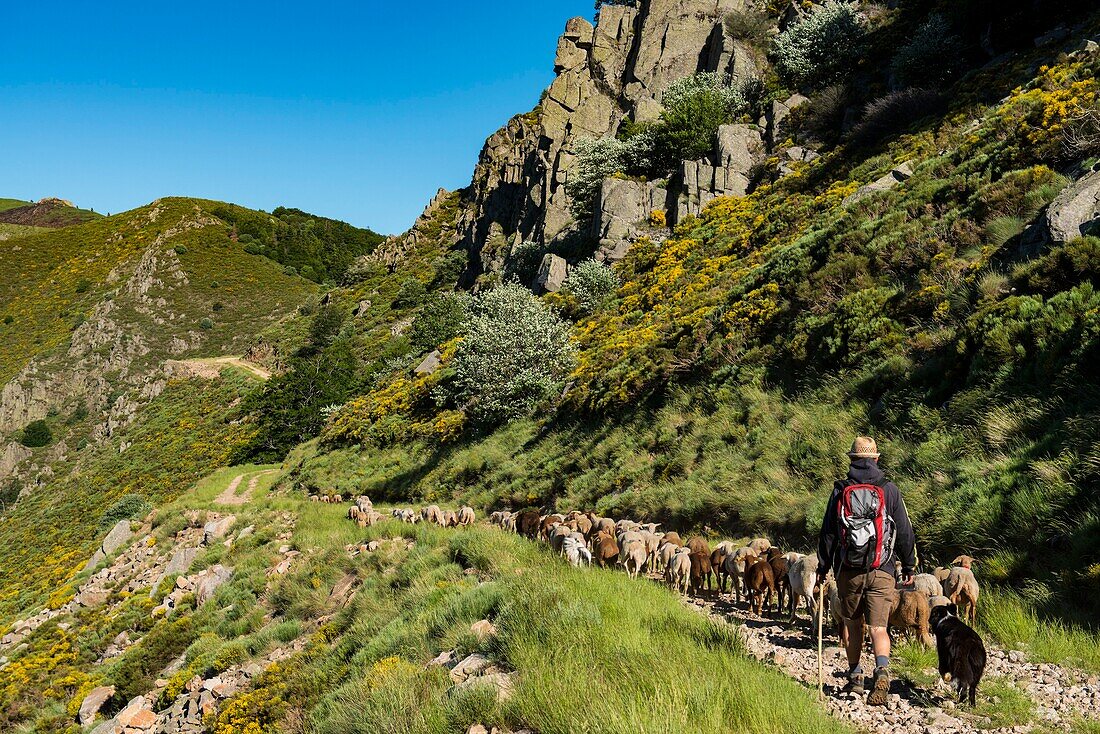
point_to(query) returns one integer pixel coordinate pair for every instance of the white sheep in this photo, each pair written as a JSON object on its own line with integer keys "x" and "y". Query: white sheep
{"x": 466, "y": 515}
{"x": 576, "y": 553}
{"x": 635, "y": 559}
{"x": 928, "y": 584}
{"x": 734, "y": 566}
{"x": 803, "y": 577}
{"x": 678, "y": 571}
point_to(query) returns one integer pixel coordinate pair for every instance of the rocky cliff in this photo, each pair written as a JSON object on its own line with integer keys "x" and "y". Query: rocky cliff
{"x": 606, "y": 73}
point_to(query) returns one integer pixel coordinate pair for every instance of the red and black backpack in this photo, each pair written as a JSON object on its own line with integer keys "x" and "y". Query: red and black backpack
{"x": 866, "y": 530}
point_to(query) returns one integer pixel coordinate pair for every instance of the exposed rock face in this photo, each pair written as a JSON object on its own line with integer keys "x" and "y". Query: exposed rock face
{"x": 623, "y": 206}
{"x": 120, "y": 534}
{"x": 552, "y": 274}
{"x": 605, "y": 73}
{"x": 1076, "y": 211}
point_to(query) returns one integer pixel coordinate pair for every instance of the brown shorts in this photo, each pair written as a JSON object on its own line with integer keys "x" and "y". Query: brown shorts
{"x": 869, "y": 595}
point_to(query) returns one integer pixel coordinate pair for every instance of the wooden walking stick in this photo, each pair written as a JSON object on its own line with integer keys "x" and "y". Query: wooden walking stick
{"x": 820, "y": 644}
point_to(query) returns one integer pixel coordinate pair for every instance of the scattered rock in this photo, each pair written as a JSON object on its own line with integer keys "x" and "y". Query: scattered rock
{"x": 1076, "y": 210}
{"x": 429, "y": 364}
{"x": 93, "y": 702}
{"x": 216, "y": 529}
{"x": 890, "y": 180}
{"x": 469, "y": 666}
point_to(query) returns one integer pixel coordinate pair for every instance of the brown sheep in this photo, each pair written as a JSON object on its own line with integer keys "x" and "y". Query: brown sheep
{"x": 717, "y": 562}
{"x": 527, "y": 524}
{"x": 964, "y": 561}
{"x": 760, "y": 546}
{"x": 780, "y": 567}
{"x": 700, "y": 571}
{"x": 674, "y": 538}
{"x": 606, "y": 549}
{"x": 962, "y": 589}
{"x": 941, "y": 574}
{"x": 910, "y": 615}
{"x": 697, "y": 544}
{"x": 761, "y": 583}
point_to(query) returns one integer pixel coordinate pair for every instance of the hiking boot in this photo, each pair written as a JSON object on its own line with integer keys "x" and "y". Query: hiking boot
{"x": 880, "y": 687}
{"x": 854, "y": 684}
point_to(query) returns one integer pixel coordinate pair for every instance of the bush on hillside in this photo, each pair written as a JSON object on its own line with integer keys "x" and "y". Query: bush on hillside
{"x": 439, "y": 321}
{"x": 893, "y": 113}
{"x": 600, "y": 158}
{"x": 516, "y": 354}
{"x": 36, "y": 434}
{"x": 823, "y": 47}
{"x": 932, "y": 55}
{"x": 694, "y": 108}
{"x": 411, "y": 293}
{"x": 128, "y": 507}
{"x": 448, "y": 267}
{"x": 522, "y": 263}
{"x": 591, "y": 283}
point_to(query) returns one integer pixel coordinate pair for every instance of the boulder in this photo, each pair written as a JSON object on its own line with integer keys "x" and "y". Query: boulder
{"x": 92, "y": 597}
{"x": 502, "y": 683}
{"x": 888, "y": 181}
{"x": 1075, "y": 211}
{"x": 93, "y": 702}
{"x": 622, "y": 209}
{"x": 120, "y": 534}
{"x": 180, "y": 561}
{"x": 552, "y": 273}
{"x": 216, "y": 529}
{"x": 429, "y": 364}
{"x": 469, "y": 666}
{"x": 208, "y": 581}
{"x": 739, "y": 146}
{"x": 775, "y": 115}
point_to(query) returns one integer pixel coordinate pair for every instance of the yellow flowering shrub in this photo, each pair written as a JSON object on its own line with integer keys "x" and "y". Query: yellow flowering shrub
{"x": 258, "y": 710}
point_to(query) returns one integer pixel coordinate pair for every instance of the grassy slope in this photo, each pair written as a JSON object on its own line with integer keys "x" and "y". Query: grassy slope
{"x": 6, "y": 204}
{"x": 50, "y": 281}
{"x": 633, "y": 663}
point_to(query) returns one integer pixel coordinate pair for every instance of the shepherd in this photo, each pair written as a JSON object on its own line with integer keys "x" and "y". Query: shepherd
{"x": 865, "y": 529}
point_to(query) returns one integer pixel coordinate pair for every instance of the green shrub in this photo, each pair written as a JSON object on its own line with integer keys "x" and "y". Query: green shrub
{"x": 516, "y": 353}
{"x": 694, "y": 108}
{"x": 592, "y": 283}
{"x": 823, "y": 47}
{"x": 439, "y": 321}
{"x": 1075, "y": 261}
{"x": 206, "y": 324}
{"x": 447, "y": 268}
{"x": 83, "y": 285}
{"x": 36, "y": 434}
{"x": 412, "y": 292}
{"x": 523, "y": 261}
{"x": 180, "y": 250}
{"x": 932, "y": 55}
{"x": 128, "y": 507}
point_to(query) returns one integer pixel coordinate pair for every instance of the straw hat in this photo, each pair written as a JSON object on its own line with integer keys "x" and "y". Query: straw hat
{"x": 864, "y": 447}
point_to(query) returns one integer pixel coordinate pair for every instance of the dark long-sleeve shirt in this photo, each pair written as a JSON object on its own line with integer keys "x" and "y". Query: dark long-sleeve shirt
{"x": 867, "y": 471}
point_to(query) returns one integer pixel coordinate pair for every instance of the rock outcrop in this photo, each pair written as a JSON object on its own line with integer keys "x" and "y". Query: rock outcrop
{"x": 606, "y": 73}
{"x": 1076, "y": 210}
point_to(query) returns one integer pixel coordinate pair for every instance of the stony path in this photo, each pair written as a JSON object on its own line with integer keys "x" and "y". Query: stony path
{"x": 210, "y": 368}
{"x": 1060, "y": 694}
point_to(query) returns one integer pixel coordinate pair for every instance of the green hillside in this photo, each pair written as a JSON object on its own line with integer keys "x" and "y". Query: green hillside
{"x": 53, "y": 213}
{"x": 6, "y": 204}
{"x": 722, "y": 382}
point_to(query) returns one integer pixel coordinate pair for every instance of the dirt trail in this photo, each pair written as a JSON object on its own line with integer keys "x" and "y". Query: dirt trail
{"x": 1060, "y": 694}
{"x": 210, "y": 367}
{"x": 229, "y": 495}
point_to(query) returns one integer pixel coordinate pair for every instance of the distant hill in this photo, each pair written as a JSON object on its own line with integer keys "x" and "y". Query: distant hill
{"x": 47, "y": 212}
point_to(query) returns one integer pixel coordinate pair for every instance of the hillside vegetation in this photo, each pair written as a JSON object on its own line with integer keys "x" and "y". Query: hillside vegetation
{"x": 720, "y": 384}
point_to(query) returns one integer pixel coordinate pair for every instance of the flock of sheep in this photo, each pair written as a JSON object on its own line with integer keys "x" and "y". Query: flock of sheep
{"x": 756, "y": 570}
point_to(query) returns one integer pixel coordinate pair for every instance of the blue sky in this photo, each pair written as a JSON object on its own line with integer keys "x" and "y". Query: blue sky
{"x": 354, "y": 110}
